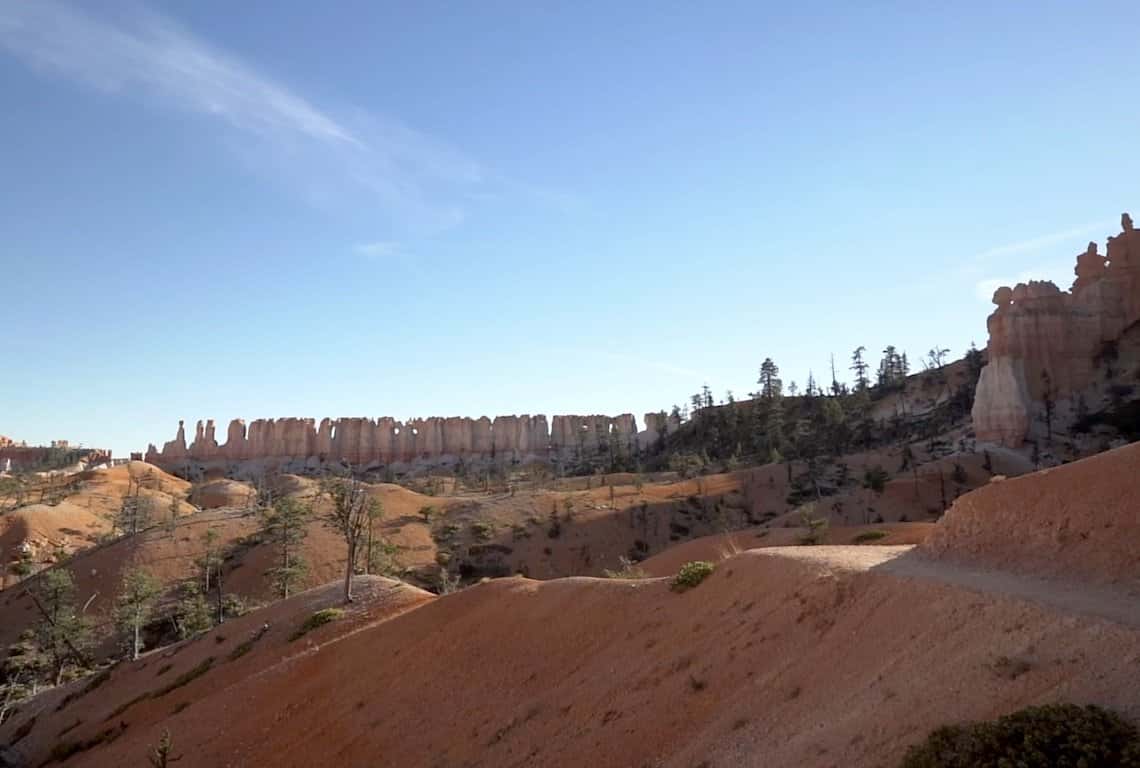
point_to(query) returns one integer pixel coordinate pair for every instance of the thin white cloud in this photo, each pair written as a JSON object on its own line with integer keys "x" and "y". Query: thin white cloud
{"x": 145, "y": 55}
{"x": 378, "y": 249}
{"x": 151, "y": 53}
{"x": 659, "y": 365}
{"x": 1034, "y": 244}
{"x": 1060, "y": 272}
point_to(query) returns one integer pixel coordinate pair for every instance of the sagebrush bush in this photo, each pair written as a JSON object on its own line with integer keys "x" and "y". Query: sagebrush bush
{"x": 876, "y": 478}
{"x": 1034, "y": 737}
{"x": 318, "y": 619}
{"x": 691, "y": 574}
{"x": 866, "y": 536}
{"x": 816, "y": 526}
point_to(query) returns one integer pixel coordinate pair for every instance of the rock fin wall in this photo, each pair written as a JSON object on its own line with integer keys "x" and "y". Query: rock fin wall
{"x": 363, "y": 442}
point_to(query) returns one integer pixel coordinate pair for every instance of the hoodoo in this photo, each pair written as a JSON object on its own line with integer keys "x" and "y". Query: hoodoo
{"x": 1044, "y": 342}
{"x": 365, "y": 442}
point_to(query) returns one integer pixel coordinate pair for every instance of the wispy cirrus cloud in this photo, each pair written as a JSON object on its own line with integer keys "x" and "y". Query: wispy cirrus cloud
{"x": 984, "y": 289}
{"x": 378, "y": 249}
{"x": 1034, "y": 244}
{"x": 658, "y": 365}
{"x": 983, "y": 265}
{"x": 144, "y": 55}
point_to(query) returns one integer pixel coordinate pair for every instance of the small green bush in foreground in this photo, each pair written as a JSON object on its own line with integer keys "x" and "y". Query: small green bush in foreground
{"x": 318, "y": 619}
{"x": 1035, "y": 737}
{"x": 691, "y": 574}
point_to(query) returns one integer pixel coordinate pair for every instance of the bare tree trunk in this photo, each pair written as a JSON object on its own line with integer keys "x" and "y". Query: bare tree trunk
{"x": 348, "y": 571}
{"x": 9, "y": 697}
{"x": 221, "y": 604}
{"x": 285, "y": 568}
{"x": 138, "y": 633}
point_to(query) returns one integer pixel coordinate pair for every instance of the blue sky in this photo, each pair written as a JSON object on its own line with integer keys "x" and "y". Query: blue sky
{"x": 413, "y": 209}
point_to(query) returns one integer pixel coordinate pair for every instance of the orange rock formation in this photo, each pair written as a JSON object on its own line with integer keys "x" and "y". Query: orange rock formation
{"x": 383, "y": 441}
{"x": 1044, "y": 341}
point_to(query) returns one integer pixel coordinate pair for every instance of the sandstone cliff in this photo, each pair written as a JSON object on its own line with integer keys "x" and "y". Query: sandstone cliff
{"x": 364, "y": 442}
{"x": 1044, "y": 342}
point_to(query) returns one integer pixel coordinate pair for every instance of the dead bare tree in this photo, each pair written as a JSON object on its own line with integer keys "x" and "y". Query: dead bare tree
{"x": 350, "y": 512}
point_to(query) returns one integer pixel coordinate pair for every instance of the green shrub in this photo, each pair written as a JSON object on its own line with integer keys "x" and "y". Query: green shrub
{"x": 97, "y": 680}
{"x": 959, "y": 475}
{"x": 445, "y": 533}
{"x": 62, "y": 750}
{"x": 1035, "y": 737}
{"x": 186, "y": 677}
{"x": 318, "y": 619}
{"x": 867, "y": 536}
{"x": 816, "y": 526}
{"x": 875, "y": 478}
{"x": 691, "y": 574}
{"x": 241, "y": 649}
{"x": 482, "y": 530}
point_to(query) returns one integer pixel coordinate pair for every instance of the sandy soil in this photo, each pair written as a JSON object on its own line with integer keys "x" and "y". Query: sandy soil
{"x": 1080, "y": 519}
{"x": 600, "y": 520}
{"x": 79, "y": 520}
{"x": 815, "y": 656}
{"x": 222, "y": 493}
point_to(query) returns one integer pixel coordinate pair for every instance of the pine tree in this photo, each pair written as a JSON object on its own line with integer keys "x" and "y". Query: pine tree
{"x": 374, "y": 544}
{"x": 284, "y": 527}
{"x": 974, "y": 361}
{"x": 769, "y": 381}
{"x": 211, "y": 559}
{"x": 774, "y": 431}
{"x": 860, "y": 367}
{"x": 134, "y": 606}
{"x": 887, "y": 367}
{"x": 21, "y": 672}
{"x": 1049, "y": 403}
{"x": 193, "y": 612}
{"x": 172, "y": 517}
{"x": 936, "y": 358}
{"x": 833, "y": 425}
{"x": 134, "y": 510}
{"x": 61, "y": 634}
{"x": 758, "y": 428}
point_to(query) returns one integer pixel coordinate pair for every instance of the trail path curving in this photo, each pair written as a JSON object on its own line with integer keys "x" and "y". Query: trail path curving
{"x": 1074, "y": 596}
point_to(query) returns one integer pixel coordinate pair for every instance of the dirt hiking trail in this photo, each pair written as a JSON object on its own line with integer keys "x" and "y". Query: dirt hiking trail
{"x": 907, "y": 562}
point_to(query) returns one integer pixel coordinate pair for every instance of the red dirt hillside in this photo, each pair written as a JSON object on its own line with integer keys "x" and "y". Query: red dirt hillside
{"x": 1080, "y": 519}
{"x": 806, "y": 656}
